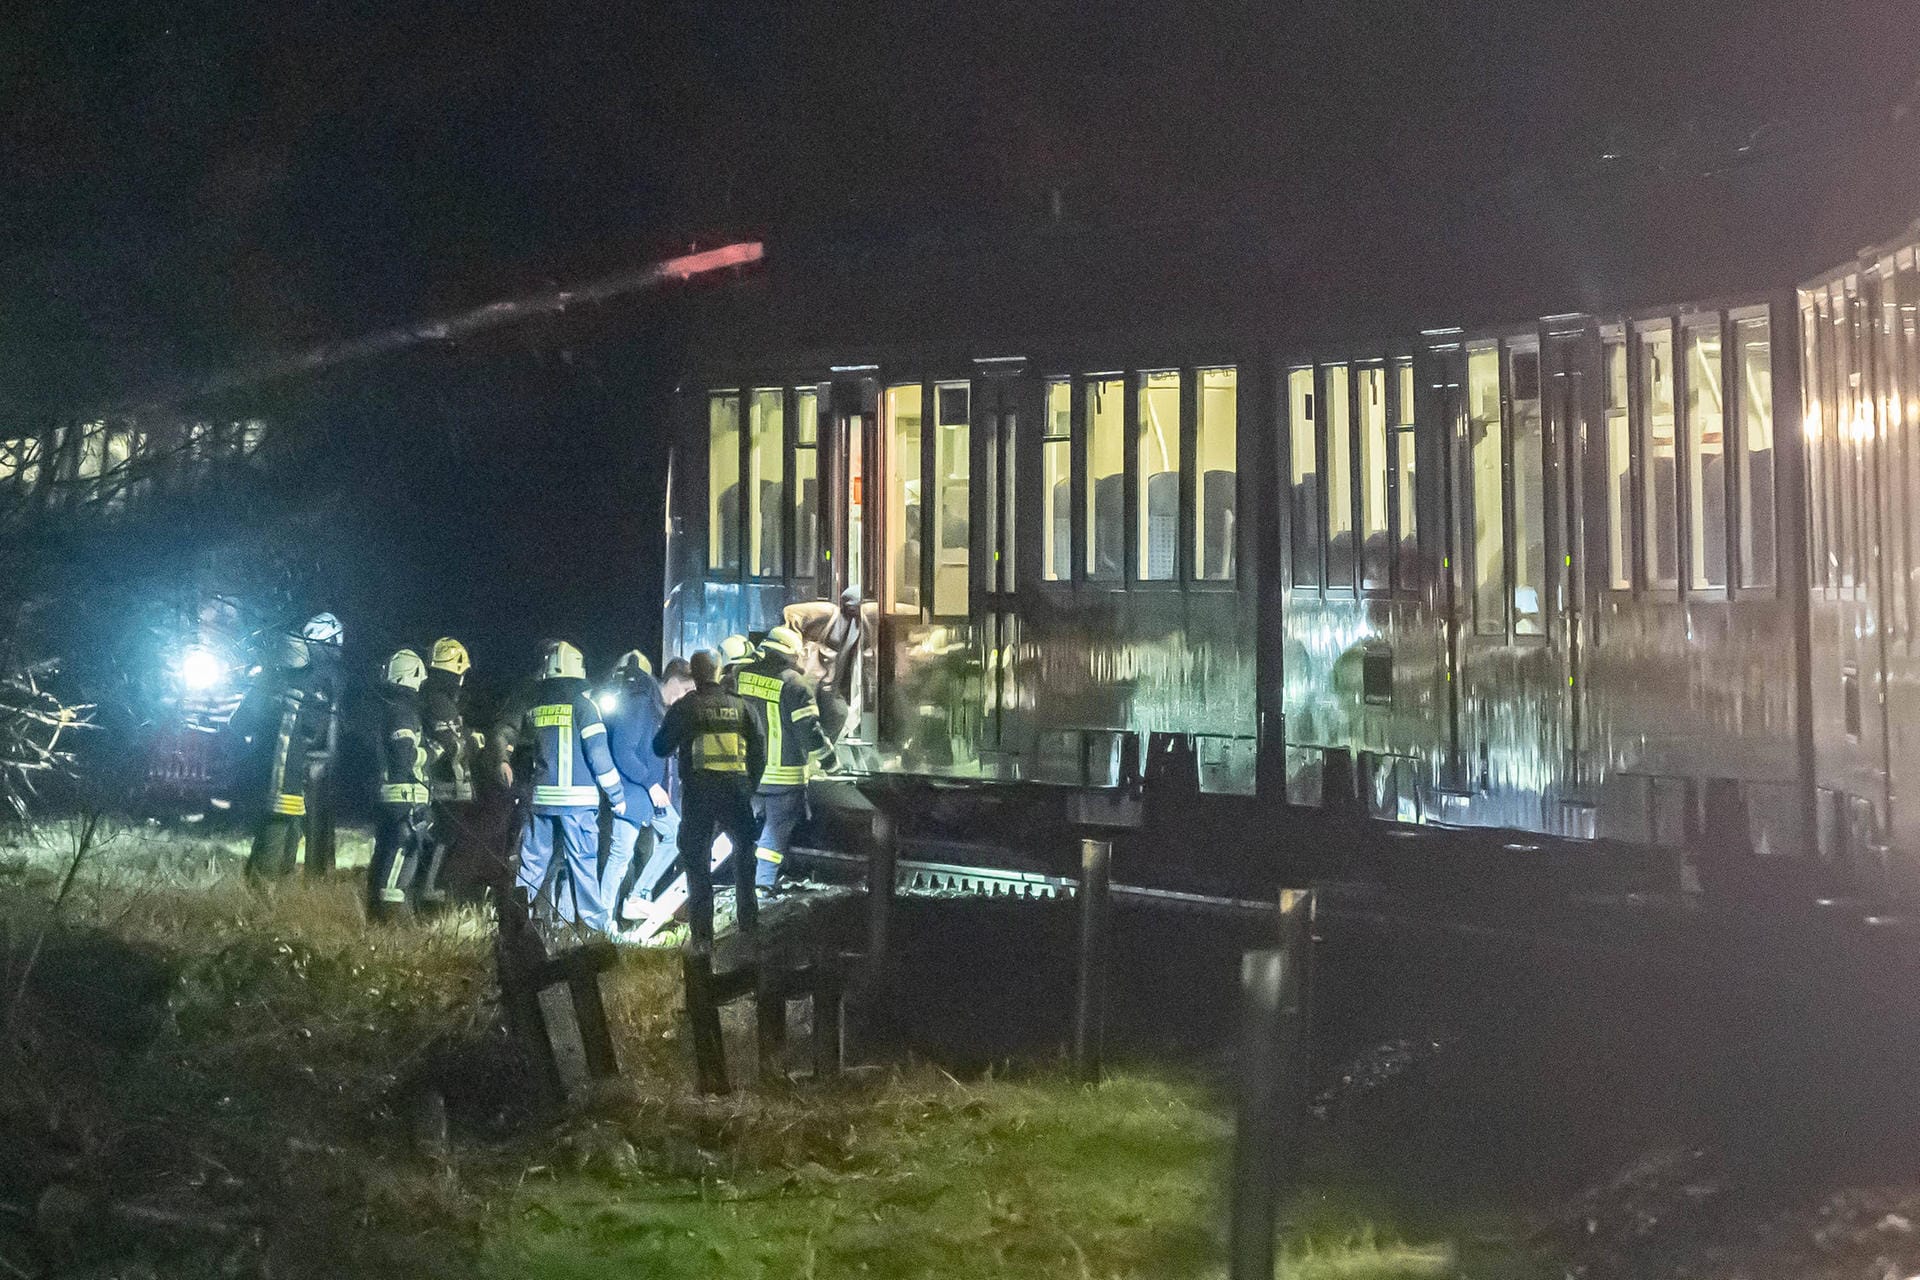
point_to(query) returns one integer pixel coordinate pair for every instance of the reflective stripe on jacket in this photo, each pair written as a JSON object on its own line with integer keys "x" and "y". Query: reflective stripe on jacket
{"x": 713, "y": 732}
{"x": 785, "y": 708}
{"x": 572, "y": 765}
{"x": 403, "y": 756}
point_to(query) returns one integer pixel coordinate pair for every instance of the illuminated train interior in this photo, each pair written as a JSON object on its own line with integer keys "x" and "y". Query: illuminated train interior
{"x": 1579, "y": 575}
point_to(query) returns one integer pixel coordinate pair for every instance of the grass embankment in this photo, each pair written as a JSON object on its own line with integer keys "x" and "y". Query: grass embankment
{"x": 268, "y": 1118}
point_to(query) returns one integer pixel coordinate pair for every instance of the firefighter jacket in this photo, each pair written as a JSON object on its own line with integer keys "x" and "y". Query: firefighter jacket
{"x": 451, "y": 749}
{"x": 285, "y": 717}
{"x": 714, "y": 734}
{"x": 403, "y": 749}
{"x": 784, "y": 708}
{"x": 567, "y": 740}
{"x": 630, "y": 730}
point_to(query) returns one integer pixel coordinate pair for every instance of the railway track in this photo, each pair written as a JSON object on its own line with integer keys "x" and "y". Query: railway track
{"x": 919, "y": 877}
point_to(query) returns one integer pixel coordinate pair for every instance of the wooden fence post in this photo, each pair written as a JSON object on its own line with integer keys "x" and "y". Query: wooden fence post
{"x": 1096, "y": 934}
{"x": 1275, "y": 1067}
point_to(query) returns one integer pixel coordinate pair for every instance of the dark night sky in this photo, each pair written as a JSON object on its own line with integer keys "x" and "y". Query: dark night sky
{"x": 188, "y": 184}
{"x": 189, "y": 181}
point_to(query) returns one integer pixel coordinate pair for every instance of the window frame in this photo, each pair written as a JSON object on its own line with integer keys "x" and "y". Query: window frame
{"x": 1290, "y": 429}
{"x": 737, "y": 571}
{"x": 750, "y": 499}
{"x": 1736, "y": 433}
{"x": 808, "y": 573}
{"x": 1686, "y": 323}
{"x": 1403, "y": 434}
{"x": 1648, "y": 584}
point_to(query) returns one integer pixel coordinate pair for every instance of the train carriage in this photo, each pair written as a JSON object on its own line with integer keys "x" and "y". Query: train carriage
{"x": 1575, "y": 575}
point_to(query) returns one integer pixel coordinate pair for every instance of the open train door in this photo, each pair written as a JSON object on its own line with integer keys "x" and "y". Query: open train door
{"x": 850, "y": 449}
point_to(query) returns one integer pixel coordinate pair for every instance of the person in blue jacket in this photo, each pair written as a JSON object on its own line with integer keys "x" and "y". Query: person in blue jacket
{"x": 564, "y": 742}
{"x": 633, "y": 707}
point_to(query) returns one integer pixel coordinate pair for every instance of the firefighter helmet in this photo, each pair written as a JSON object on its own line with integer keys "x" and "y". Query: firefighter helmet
{"x": 562, "y": 659}
{"x": 782, "y": 640}
{"x": 632, "y": 663}
{"x": 406, "y": 670}
{"x": 322, "y": 628}
{"x": 450, "y": 655}
{"x": 735, "y": 650}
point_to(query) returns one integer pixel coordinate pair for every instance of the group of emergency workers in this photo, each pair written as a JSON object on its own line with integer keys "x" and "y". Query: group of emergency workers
{"x": 742, "y": 732}
{"x": 736, "y": 734}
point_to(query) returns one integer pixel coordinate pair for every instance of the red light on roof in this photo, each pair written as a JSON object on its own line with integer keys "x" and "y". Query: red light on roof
{"x": 732, "y": 255}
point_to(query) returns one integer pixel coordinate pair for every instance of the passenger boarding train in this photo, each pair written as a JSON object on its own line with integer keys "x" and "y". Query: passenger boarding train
{"x": 1646, "y": 576}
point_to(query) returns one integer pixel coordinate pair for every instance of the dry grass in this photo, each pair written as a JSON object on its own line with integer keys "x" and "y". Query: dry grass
{"x": 274, "y": 1090}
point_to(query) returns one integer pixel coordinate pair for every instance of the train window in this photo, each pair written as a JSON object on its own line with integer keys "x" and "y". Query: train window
{"x": 953, "y": 466}
{"x": 1846, "y": 443}
{"x": 1706, "y": 460}
{"x": 1304, "y": 510}
{"x": 1002, "y": 525}
{"x": 900, "y": 554}
{"x": 1216, "y": 486}
{"x": 1370, "y": 411}
{"x": 1056, "y": 484}
{"x": 806, "y": 481}
{"x": 1483, "y": 449}
{"x": 723, "y": 483}
{"x": 1619, "y": 465}
{"x": 766, "y": 482}
{"x": 1754, "y": 339}
{"x": 1339, "y": 395}
{"x": 1659, "y": 457}
{"x": 1528, "y": 499}
{"x": 1889, "y": 412}
{"x": 1813, "y": 429}
{"x": 1407, "y": 491}
{"x": 1909, "y": 392}
{"x": 1106, "y": 477}
{"x": 1158, "y": 442}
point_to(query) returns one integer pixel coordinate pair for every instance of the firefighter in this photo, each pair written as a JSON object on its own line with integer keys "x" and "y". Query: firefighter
{"x": 784, "y": 708}
{"x": 404, "y": 833}
{"x": 720, "y": 754}
{"x": 735, "y": 652}
{"x": 452, "y": 752}
{"x": 286, "y": 716}
{"x": 323, "y": 635}
{"x": 633, "y": 708}
{"x": 564, "y": 742}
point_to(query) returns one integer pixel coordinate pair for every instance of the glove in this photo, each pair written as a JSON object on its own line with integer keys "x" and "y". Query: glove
{"x": 830, "y": 762}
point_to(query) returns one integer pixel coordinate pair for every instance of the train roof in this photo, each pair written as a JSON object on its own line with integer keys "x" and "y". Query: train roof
{"x": 1700, "y": 219}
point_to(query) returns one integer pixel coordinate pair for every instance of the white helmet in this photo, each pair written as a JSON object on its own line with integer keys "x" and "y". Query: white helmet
{"x": 322, "y": 628}
{"x": 406, "y": 670}
{"x": 562, "y": 659}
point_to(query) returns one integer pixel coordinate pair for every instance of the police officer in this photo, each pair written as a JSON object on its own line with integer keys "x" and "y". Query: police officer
{"x": 784, "y": 707}
{"x": 721, "y": 754}
{"x": 452, "y": 752}
{"x": 565, "y": 745}
{"x": 286, "y": 716}
{"x": 404, "y": 832}
{"x": 631, "y": 704}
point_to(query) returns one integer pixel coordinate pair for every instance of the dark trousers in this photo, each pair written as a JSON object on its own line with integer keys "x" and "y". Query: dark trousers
{"x": 276, "y": 846}
{"x": 714, "y": 805}
{"x": 781, "y": 810}
{"x": 402, "y": 838}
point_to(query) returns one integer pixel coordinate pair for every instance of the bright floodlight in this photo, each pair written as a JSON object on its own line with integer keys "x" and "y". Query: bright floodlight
{"x": 609, "y": 702}
{"x": 200, "y": 670}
